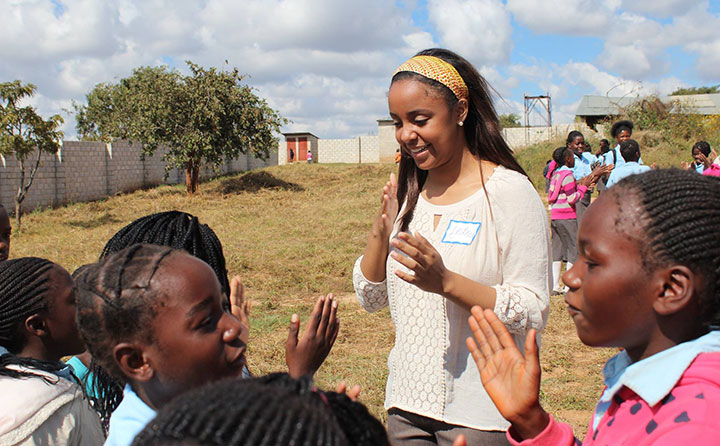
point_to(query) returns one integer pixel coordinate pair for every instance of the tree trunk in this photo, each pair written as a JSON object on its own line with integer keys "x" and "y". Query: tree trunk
{"x": 20, "y": 196}
{"x": 192, "y": 175}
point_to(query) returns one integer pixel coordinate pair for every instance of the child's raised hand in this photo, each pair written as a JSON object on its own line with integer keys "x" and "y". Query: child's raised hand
{"x": 421, "y": 258}
{"x": 304, "y": 357}
{"x": 353, "y": 393}
{"x": 240, "y": 307}
{"x": 460, "y": 440}
{"x": 383, "y": 224}
{"x": 511, "y": 380}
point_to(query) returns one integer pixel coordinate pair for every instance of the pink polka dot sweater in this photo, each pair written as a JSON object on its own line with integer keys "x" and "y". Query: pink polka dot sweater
{"x": 689, "y": 413}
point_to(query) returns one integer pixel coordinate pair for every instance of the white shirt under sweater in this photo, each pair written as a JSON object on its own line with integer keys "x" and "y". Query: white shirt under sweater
{"x": 431, "y": 370}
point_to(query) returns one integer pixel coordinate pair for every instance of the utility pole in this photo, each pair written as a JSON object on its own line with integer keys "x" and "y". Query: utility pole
{"x": 530, "y": 103}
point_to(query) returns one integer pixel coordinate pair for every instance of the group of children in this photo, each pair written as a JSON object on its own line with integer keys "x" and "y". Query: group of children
{"x": 163, "y": 333}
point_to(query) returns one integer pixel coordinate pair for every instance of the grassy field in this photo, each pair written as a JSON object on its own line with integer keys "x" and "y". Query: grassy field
{"x": 292, "y": 233}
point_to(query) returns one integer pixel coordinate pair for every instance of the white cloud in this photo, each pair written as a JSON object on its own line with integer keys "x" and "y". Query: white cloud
{"x": 661, "y": 8}
{"x": 479, "y": 30}
{"x": 574, "y": 17}
{"x": 698, "y": 31}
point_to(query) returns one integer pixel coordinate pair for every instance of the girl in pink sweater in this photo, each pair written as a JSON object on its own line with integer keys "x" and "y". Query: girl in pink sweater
{"x": 647, "y": 280}
{"x": 563, "y": 193}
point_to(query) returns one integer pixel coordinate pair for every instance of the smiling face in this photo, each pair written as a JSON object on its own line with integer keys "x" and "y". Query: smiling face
{"x": 623, "y": 135}
{"x": 5, "y": 231}
{"x": 195, "y": 340}
{"x": 64, "y": 337}
{"x": 425, "y": 126}
{"x": 577, "y": 144}
{"x": 609, "y": 300}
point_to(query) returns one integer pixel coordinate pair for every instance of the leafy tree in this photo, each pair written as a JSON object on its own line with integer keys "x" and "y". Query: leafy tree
{"x": 24, "y": 131}
{"x": 203, "y": 118}
{"x": 509, "y": 120}
{"x": 696, "y": 90}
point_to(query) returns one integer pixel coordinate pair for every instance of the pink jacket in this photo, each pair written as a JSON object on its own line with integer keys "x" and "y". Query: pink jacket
{"x": 713, "y": 170}
{"x": 564, "y": 192}
{"x": 688, "y": 415}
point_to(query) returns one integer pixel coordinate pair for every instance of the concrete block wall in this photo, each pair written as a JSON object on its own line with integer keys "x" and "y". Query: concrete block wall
{"x": 349, "y": 150}
{"x": 84, "y": 171}
{"x": 387, "y": 144}
{"x": 517, "y": 137}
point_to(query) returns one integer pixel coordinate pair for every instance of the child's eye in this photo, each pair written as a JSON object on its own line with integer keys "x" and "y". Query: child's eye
{"x": 421, "y": 121}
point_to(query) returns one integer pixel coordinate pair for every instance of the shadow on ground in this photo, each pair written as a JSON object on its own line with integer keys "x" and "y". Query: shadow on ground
{"x": 94, "y": 222}
{"x": 256, "y": 181}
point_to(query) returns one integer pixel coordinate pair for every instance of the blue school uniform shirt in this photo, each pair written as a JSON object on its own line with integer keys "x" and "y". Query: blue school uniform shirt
{"x": 653, "y": 377}
{"x": 130, "y": 417}
{"x": 625, "y": 170}
{"x": 581, "y": 168}
{"x": 83, "y": 374}
{"x": 619, "y": 160}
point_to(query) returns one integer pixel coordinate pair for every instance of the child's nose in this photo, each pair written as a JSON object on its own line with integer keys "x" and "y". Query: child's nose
{"x": 233, "y": 329}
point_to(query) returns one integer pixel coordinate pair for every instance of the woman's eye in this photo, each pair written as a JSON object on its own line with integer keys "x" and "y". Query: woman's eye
{"x": 397, "y": 123}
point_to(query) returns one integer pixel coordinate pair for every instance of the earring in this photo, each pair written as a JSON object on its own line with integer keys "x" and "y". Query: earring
{"x": 460, "y": 123}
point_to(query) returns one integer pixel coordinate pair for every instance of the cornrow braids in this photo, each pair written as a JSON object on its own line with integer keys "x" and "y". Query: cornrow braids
{"x": 177, "y": 230}
{"x": 681, "y": 214}
{"x": 272, "y": 410}
{"x": 116, "y": 302}
{"x": 106, "y": 392}
{"x": 24, "y": 283}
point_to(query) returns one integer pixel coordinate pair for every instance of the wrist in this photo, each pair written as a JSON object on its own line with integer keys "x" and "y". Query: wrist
{"x": 449, "y": 284}
{"x": 531, "y": 423}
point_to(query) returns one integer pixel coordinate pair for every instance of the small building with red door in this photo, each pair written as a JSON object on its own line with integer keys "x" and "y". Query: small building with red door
{"x": 297, "y": 146}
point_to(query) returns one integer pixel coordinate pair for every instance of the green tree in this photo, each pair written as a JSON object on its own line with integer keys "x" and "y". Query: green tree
{"x": 696, "y": 90}
{"x": 509, "y": 120}
{"x": 203, "y": 118}
{"x": 24, "y": 132}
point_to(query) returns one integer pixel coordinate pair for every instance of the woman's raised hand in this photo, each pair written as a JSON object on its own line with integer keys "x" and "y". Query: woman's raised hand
{"x": 389, "y": 208}
{"x": 511, "y": 380}
{"x": 422, "y": 259}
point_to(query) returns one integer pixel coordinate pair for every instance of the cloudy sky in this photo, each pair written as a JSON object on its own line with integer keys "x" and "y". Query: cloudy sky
{"x": 326, "y": 64}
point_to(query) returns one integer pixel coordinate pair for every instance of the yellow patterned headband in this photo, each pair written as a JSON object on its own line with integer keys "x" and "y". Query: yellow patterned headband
{"x": 437, "y": 69}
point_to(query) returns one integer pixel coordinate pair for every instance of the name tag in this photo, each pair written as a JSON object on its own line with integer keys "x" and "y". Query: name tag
{"x": 461, "y": 232}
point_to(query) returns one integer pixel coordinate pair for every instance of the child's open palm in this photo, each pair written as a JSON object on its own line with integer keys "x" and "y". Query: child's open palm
{"x": 511, "y": 380}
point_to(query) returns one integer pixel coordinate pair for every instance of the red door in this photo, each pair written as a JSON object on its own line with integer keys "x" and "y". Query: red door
{"x": 302, "y": 149}
{"x": 291, "y": 150}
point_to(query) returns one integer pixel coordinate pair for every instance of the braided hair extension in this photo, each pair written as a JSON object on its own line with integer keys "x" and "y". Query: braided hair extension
{"x": 681, "y": 214}
{"x": 115, "y": 301}
{"x": 106, "y": 392}
{"x": 482, "y": 129}
{"x": 272, "y": 410}
{"x": 177, "y": 230}
{"x": 24, "y": 283}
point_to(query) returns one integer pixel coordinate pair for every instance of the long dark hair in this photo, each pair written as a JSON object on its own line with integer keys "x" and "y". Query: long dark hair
{"x": 482, "y": 129}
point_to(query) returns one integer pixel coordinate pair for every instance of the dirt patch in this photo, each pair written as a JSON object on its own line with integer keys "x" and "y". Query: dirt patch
{"x": 256, "y": 181}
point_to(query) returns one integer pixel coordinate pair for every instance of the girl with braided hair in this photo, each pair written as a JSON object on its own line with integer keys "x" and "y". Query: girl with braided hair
{"x": 271, "y": 410}
{"x": 156, "y": 319}
{"x": 647, "y": 280}
{"x": 42, "y": 401}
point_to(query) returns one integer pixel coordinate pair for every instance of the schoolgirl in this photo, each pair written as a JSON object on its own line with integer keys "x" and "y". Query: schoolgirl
{"x": 647, "y": 280}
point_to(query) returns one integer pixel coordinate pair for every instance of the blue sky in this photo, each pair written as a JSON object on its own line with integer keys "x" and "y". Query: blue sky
{"x": 326, "y": 64}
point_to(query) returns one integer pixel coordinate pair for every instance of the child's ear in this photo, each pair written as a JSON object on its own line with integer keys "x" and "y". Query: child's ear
{"x": 678, "y": 289}
{"x": 132, "y": 361}
{"x": 36, "y": 326}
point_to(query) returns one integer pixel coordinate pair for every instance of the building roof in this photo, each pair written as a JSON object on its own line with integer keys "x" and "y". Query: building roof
{"x": 703, "y": 104}
{"x": 299, "y": 134}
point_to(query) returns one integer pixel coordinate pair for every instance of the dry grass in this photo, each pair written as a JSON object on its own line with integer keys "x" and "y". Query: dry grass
{"x": 292, "y": 233}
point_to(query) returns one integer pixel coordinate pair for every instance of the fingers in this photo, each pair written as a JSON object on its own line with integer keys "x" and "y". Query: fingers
{"x": 354, "y": 392}
{"x": 292, "y": 339}
{"x": 531, "y": 349}
{"x": 327, "y": 320}
{"x": 239, "y": 306}
{"x": 499, "y": 329}
{"x": 316, "y": 315}
{"x": 341, "y": 387}
{"x": 484, "y": 347}
{"x": 460, "y": 441}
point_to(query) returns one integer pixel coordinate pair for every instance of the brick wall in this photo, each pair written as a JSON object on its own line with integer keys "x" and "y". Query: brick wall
{"x": 84, "y": 171}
